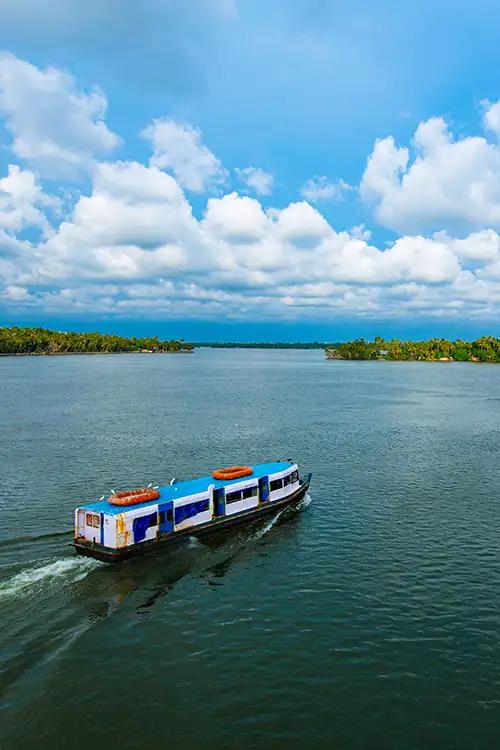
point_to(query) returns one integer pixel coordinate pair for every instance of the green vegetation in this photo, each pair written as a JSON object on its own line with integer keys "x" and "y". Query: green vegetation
{"x": 484, "y": 349}
{"x": 41, "y": 341}
{"x": 263, "y": 345}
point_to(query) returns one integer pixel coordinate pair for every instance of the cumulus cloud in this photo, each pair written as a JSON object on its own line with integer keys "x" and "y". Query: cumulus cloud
{"x": 136, "y": 223}
{"x": 491, "y": 116}
{"x": 321, "y": 189}
{"x": 179, "y": 148}
{"x": 56, "y": 128}
{"x": 14, "y": 293}
{"x": 22, "y": 202}
{"x": 441, "y": 182}
{"x": 235, "y": 218}
{"x": 133, "y": 246}
{"x": 257, "y": 180}
{"x": 301, "y": 225}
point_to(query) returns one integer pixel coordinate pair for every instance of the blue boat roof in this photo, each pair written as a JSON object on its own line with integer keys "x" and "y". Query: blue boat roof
{"x": 186, "y": 488}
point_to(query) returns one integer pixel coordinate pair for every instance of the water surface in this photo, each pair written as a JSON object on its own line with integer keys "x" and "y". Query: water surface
{"x": 367, "y": 619}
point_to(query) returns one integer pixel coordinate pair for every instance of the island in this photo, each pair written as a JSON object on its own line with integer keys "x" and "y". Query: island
{"x": 484, "y": 349}
{"x": 21, "y": 341}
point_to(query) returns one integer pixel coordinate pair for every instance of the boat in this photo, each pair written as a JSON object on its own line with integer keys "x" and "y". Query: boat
{"x": 139, "y": 521}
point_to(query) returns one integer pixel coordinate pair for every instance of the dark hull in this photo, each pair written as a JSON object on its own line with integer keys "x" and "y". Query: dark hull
{"x": 109, "y": 554}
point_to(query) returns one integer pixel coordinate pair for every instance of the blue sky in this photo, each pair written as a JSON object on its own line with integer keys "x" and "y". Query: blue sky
{"x": 240, "y": 169}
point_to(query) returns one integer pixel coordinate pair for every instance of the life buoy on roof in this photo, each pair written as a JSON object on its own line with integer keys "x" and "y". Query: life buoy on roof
{"x": 133, "y": 497}
{"x": 232, "y": 472}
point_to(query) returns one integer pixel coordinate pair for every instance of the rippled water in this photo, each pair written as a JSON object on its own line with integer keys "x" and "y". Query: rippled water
{"x": 368, "y": 618}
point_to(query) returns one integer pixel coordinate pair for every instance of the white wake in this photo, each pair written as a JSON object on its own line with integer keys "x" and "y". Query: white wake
{"x": 306, "y": 500}
{"x": 71, "y": 570}
{"x": 269, "y": 525}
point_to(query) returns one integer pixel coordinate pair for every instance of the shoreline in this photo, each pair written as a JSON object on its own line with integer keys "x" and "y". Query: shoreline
{"x": 436, "y": 361}
{"x": 482, "y": 349}
{"x": 80, "y": 354}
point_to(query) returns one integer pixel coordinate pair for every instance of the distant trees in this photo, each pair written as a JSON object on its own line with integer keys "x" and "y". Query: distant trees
{"x": 42, "y": 341}
{"x": 484, "y": 349}
{"x": 262, "y": 345}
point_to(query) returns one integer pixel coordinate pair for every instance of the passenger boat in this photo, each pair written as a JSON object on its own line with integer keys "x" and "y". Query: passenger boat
{"x": 134, "y": 522}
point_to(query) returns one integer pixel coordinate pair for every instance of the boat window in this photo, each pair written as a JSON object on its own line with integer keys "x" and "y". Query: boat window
{"x": 92, "y": 519}
{"x": 191, "y": 509}
{"x": 276, "y": 484}
{"x": 161, "y": 515}
{"x": 287, "y": 480}
{"x": 295, "y": 476}
{"x": 234, "y": 497}
{"x": 153, "y": 520}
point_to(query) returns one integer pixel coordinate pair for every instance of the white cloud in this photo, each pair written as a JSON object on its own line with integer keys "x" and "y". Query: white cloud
{"x": 136, "y": 223}
{"x": 321, "y": 189}
{"x": 179, "y": 149}
{"x": 449, "y": 184}
{"x": 257, "y": 180}
{"x": 57, "y": 129}
{"x": 235, "y": 218}
{"x": 22, "y": 201}
{"x": 15, "y": 293}
{"x": 301, "y": 225}
{"x": 134, "y": 247}
{"x": 491, "y": 116}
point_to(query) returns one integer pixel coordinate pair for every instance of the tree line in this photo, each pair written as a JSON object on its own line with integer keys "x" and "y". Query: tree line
{"x": 261, "y": 345}
{"x": 42, "y": 341}
{"x": 484, "y": 349}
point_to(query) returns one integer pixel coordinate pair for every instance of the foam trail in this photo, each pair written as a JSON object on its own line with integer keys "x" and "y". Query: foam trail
{"x": 68, "y": 639}
{"x": 305, "y": 502}
{"x": 72, "y": 569}
{"x": 269, "y": 525}
{"x": 194, "y": 542}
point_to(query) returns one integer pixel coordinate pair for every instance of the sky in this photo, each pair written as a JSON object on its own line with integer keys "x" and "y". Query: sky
{"x": 244, "y": 170}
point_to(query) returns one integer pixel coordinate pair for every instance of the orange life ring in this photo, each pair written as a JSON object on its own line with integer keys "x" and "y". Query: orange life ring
{"x": 232, "y": 472}
{"x": 133, "y": 497}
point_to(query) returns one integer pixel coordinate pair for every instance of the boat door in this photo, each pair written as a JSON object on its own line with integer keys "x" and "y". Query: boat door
{"x": 166, "y": 517}
{"x": 219, "y": 502}
{"x": 264, "y": 489}
{"x": 80, "y": 523}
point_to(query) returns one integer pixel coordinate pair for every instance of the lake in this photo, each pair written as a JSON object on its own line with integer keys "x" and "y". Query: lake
{"x": 368, "y": 618}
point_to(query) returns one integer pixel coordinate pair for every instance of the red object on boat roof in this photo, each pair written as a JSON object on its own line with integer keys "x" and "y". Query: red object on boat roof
{"x": 232, "y": 472}
{"x": 134, "y": 497}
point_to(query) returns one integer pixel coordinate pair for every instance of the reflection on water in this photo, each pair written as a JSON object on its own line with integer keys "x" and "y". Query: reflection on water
{"x": 207, "y": 559}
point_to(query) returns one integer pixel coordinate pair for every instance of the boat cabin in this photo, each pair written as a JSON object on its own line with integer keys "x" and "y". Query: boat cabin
{"x": 184, "y": 506}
